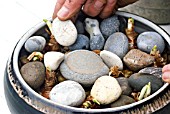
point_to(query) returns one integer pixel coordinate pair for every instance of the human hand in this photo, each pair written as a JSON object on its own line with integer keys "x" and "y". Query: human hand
{"x": 166, "y": 73}
{"x": 66, "y": 9}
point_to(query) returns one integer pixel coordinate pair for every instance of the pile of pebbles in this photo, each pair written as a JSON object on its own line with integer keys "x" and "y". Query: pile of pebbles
{"x": 84, "y": 70}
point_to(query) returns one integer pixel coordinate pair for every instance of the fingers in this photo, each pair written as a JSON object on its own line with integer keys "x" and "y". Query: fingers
{"x": 109, "y": 8}
{"x": 66, "y": 9}
{"x": 166, "y": 73}
{"x": 94, "y": 7}
{"x": 58, "y": 6}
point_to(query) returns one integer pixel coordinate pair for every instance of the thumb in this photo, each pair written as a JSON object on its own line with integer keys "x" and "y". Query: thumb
{"x": 69, "y": 9}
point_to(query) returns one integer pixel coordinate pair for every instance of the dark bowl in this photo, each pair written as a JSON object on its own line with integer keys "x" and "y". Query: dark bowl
{"x": 21, "y": 98}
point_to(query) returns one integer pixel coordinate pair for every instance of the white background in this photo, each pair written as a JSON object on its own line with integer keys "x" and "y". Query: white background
{"x": 17, "y": 16}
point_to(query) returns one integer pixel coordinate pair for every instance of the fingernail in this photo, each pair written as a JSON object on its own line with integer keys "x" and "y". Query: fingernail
{"x": 63, "y": 12}
{"x": 98, "y": 4}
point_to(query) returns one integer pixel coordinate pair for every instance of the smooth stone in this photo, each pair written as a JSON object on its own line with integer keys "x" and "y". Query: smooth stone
{"x": 147, "y": 40}
{"x": 82, "y": 42}
{"x": 33, "y": 73}
{"x": 52, "y": 59}
{"x": 156, "y": 71}
{"x": 123, "y": 100}
{"x": 35, "y": 43}
{"x": 106, "y": 90}
{"x": 139, "y": 80}
{"x": 83, "y": 66}
{"x": 64, "y": 32}
{"x": 109, "y": 26}
{"x": 126, "y": 88}
{"x": 111, "y": 59}
{"x": 68, "y": 93}
{"x": 118, "y": 44}
{"x": 136, "y": 59}
{"x": 80, "y": 27}
{"x": 97, "y": 42}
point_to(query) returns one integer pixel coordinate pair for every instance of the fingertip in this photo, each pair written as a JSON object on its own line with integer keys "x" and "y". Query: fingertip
{"x": 63, "y": 13}
{"x": 166, "y": 77}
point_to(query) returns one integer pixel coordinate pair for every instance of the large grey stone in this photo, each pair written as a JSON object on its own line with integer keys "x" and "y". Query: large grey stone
{"x": 83, "y": 66}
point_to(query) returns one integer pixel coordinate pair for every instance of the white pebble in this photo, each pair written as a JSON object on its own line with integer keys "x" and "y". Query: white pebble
{"x": 111, "y": 59}
{"x": 64, "y": 32}
{"x": 53, "y": 59}
{"x": 106, "y": 90}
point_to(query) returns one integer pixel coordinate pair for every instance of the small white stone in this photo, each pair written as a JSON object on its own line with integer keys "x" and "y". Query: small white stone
{"x": 106, "y": 90}
{"x": 64, "y": 32}
{"x": 53, "y": 59}
{"x": 111, "y": 59}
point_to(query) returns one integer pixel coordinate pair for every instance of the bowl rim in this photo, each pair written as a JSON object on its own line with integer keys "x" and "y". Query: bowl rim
{"x": 37, "y": 96}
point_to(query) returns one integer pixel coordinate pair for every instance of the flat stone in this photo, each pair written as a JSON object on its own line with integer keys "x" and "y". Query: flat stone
{"x": 118, "y": 44}
{"x": 83, "y": 66}
{"x": 106, "y": 90}
{"x": 111, "y": 59}
{"x": 156, "y": 71}
{"x": 136, "y": 59}
{"x": 68, "y": 93}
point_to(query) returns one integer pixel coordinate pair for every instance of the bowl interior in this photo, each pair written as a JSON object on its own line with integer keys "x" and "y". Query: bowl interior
{"x": 141, "y": 25}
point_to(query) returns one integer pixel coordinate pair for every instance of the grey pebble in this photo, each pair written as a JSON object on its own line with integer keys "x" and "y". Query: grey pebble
{"x": 118, "y": 44}
{"x": 80, "y": 27}
{"x": 156, "y": 71}
{"x": 68, "y": 93}
{"x": 35, "y": 43}
{"x": 97, "y": 42}
{"x": 147, "y": 40}
{"x": 82, "y": 42}
{"x": 109, "y": 26}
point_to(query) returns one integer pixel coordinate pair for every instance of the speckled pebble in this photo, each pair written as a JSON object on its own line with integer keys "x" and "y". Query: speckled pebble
{"x": 147, "y": 40}
{"x": 118, "y": 44}
{"x": 64, "y": 32}
{"x": 52, "y": 59}
{"x": 82, "y": 42}
{"x": 35, "y": 43}
{"x": 106, "y": 90}
{"x": 123, "y": 100}
{"x": 83, "y": 66}
{"x": 97, "y": 42}
{"x": 68, "y": 93}
{"x": 111, "y": 59}
{"x": 156, "y": 71}
{"x": 139, "y": 80}
{"x": 109, "y": 26}
{"x": 136, "y": 59}
{"x": 123, "y": 82}
{"x": 33, "y": 73}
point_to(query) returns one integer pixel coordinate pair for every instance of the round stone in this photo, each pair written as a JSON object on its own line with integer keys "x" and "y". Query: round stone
{"x": 118, "y": 44}
{"x": 106, "y": 90}
{"x": 64, "y": 32}
{"x": 147, "y": 40}
{"x": 68, "y": 93}
{"x": 109, "y": 26}
{"x": 82, "y": 42}
{"x": 83, "y": 66}
{"x": 111, "y": 59}
{"x": 35, "y": 43}
{"x": 139, "y": 80}
{"x": 33, "y": 73}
